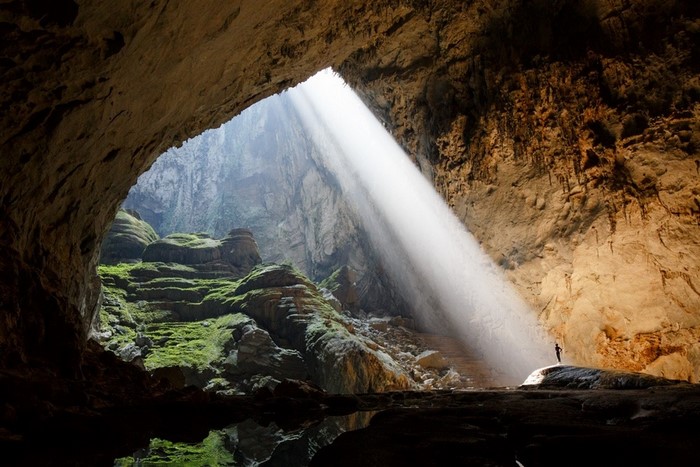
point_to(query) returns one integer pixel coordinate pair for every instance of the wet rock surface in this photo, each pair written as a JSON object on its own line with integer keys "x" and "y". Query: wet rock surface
{"x": 534, "y": 428}
{"x": 112, "y": 415}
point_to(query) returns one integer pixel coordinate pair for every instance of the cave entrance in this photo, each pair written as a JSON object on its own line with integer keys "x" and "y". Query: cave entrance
{"x": 311, "y": 185}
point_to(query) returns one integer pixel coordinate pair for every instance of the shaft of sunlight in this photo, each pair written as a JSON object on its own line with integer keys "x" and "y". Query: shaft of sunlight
{"x": 440, "y": 267}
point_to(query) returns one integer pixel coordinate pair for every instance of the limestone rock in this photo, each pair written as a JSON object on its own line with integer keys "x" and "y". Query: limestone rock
{"x": 587, "y": 202}
{"x": 127, "y": 238}
{"x": 181, "y": 248}
{"x": 223, "y": 329}
{"x": 575, "y": 377}
{"x": 236, "y": 253}
{"x": 431, "y": 359}
{"x": 343, "y": 285}
{"x": 256, "y": 353}
{"x": 336, "y": 359}
{"x": 240, "y": 249}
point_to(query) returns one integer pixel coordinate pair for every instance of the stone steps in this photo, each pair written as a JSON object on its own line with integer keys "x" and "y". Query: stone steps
{"x": 460, "y": 359}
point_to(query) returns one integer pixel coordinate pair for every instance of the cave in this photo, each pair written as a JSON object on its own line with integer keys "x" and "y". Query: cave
{"x": 564, "y": 135}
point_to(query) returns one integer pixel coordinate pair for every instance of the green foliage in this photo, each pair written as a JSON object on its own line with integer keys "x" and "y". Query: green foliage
{"x": 197, "y": 344}
{"x": 210, "y": 452}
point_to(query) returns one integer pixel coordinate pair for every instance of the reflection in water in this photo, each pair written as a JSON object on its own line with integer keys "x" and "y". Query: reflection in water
{"x": 249, "y": 444}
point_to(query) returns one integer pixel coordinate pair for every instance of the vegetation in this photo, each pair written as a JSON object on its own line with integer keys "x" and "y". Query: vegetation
{"x": 331, "y": 282}
{"x": 196, "y": 345}
{"x": 195, "y": 240}
{"x": 210, "y": 452}
{"x": 164, "y": 305}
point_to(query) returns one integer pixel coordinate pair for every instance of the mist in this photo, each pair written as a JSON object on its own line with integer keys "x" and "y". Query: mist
{"x": 440, "y": 268}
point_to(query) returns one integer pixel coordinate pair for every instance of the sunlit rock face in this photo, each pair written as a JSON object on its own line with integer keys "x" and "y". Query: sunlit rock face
{"x": 566, "y": 139}
{"x": 563, "y": 134}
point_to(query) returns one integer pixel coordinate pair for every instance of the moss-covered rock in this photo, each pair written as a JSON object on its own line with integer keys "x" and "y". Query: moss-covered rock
{"x": 127, "y": 238}
{"x": 298, "y": 315}
{"x": 236, "y": 253}
{"x": 198, "y": 348}
{"x": 342, "y": 283}
{"x": 272, "y": 324}
{"x": 184, "y": 248}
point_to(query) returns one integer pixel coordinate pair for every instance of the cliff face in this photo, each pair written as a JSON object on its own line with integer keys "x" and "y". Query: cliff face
{"x": 261, "y": 171}
{"x": 564, "y": 134}
{"x": 257, "y": 171}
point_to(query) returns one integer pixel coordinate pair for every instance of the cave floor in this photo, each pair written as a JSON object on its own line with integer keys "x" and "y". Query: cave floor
{"x": 112, "y": 409}
{"x": 62, "y": 422}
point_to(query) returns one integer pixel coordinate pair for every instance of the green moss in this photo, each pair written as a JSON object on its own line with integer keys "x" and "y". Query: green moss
{"x": 159, "y": 269}
{"x": 145, "y": 313}
{"x": 197, "y": 344}
{"x": 196, "y": 240}
{"x": 121, "y": 270}
{"x": 116, "y": 274}
{"x": 116, "y": 318}
{"x": 130, "y": 225}
{"x": 223, "y": 294}
{"x": 331, "y": 282}
{"x": 210, "y": 452}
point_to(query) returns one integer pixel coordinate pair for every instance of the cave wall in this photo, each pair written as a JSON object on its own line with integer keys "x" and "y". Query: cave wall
{"x": 564, "y": 134}
{"x": 93, "y": 92}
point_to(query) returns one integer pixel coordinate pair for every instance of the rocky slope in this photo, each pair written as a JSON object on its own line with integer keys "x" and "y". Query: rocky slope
{"x": 205, "y": 312}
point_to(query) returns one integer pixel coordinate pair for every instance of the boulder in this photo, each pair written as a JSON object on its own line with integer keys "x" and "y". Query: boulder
{"x": 127, "y": 238}
{"x": 431, "y": 359}
{"x": 239, "y": 248}
{"x": 273, "y": 275}
{"x": 257, "y": 353}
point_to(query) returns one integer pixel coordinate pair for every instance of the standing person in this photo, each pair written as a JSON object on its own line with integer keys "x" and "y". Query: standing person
{"x": 558, "y": 350}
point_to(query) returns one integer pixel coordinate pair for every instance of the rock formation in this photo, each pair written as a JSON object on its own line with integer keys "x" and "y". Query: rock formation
{"x": 204, "y": 312}
{"x": 565, "y": 136}
{"x": 127, "y": 238}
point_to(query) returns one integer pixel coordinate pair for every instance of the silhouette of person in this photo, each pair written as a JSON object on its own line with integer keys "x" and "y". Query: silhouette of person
{"x": 558, "y": 349}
